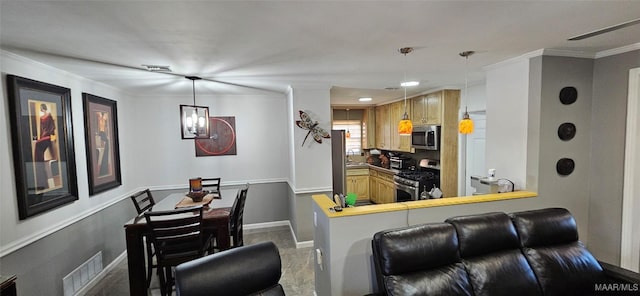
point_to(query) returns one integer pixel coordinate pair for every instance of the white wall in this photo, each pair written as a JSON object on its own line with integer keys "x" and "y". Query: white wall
{"x": 507, "y": 95}
{"x": 164, "y": 159}
{"x": 312, "y": 162}
{"x": 15, "y": 233}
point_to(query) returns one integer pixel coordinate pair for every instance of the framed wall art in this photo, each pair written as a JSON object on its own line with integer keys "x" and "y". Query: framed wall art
{"x": 101, "y": 140}
{"x": 222, "y": 138}
{"x": 42, "y": 142}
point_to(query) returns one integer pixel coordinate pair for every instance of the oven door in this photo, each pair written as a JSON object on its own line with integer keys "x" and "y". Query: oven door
{"x": 405, "y": 192}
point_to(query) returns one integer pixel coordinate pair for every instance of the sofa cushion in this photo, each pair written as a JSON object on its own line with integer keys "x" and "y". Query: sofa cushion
{"x": 561, "y": 262}
{"x": 545, "y": 227}
{"x": 445, "y": 280}
{"x": 484, "y": 233}
{"x": 420, "y": 259}
{"x": 490, "y": 251}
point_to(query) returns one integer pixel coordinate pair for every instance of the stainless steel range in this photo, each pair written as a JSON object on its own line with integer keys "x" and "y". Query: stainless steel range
{"x": 409, "y": 184}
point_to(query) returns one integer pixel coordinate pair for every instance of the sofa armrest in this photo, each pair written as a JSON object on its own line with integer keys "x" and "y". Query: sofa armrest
{"x": 619, "y": 273}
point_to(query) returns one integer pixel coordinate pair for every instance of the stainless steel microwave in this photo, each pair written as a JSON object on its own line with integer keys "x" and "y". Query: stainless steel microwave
{"x": 426, "y": 137}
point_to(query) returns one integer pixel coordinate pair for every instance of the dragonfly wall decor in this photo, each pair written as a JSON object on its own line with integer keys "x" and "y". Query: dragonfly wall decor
{"x": 308, "y": 124}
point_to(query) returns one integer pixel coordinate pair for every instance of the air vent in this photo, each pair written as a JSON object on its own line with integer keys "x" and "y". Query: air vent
{"x": 157, "y": 68}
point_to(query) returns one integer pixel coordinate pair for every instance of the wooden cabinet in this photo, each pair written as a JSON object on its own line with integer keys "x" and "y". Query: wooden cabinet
{"x": 369, "y": 128}
{"x": 434, "y": 108}
{"x": 381, "y": 187}
{"x": 382, "y": 140}
{"x": 373, "y": 186}
{"x": 358, "y": 183}
{"x": 427, "y": 109}
{"x": 450, "y": 103}
{"x": 399, "y": 142}
{"x": 387, "y": 118}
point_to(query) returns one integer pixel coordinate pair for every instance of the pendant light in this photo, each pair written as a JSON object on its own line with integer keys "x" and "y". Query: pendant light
{"x": 348, "y": 134}
{"x": 466, "y": 124}
{"x": 194, "y": 120}
{"x": 405, "y": 127}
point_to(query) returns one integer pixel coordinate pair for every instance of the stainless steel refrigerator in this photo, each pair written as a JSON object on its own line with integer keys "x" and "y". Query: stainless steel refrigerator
{"x": 338, "y": 161}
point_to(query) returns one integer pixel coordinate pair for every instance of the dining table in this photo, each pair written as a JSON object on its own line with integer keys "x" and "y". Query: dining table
{"x": 215, "y": 220}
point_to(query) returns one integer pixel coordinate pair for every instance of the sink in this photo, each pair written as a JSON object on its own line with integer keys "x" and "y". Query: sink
{"x": 357, "y": 164}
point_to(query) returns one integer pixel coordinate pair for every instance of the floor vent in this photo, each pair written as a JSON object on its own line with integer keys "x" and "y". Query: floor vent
{"x": 80, "y": 276}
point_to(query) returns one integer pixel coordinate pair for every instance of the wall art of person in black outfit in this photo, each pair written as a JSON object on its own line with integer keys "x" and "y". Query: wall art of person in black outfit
{"x": 43, "y": 143}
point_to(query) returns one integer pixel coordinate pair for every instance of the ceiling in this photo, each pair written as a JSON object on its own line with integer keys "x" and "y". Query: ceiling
{"x": 245, "y": 47}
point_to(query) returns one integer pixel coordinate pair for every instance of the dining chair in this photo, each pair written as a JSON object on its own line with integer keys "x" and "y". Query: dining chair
{"x": 249, "y": 270}
{"x": 236, "y": 217}
{"x": 143, "y": 201}
{"x": 177, "y": 237}
{"x": 211, "y": 184}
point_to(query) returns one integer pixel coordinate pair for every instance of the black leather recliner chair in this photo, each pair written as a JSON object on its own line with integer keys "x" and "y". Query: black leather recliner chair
{"x": 248, "y": 270}
{"x": 526, "y": 253}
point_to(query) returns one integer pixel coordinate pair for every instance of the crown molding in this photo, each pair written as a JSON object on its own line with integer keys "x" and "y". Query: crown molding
{"x": 619, "y": 50}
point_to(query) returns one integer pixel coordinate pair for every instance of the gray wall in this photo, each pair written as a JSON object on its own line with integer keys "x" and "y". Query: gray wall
{"x": 40, "y": 266}
{"x": 610, "y": 91}
{"x": 571, "y": 191}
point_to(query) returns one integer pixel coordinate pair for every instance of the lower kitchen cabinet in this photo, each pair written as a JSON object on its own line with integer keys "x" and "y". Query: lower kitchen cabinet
{"x": 358, "y": 183}
{"x": 381, "y": 187}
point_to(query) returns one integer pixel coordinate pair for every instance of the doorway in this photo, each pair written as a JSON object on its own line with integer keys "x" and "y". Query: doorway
{"x": 630, "y": 242}
{"x": 475, "y": 149}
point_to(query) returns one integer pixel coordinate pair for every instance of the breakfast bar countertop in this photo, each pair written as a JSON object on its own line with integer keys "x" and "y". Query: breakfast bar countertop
{"x": 326, "y": 204}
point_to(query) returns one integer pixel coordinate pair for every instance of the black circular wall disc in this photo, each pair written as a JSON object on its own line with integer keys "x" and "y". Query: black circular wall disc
{"x": 568, "y": 95}
{"x": 566, "y": 131}
{"x": 565, "y": 166}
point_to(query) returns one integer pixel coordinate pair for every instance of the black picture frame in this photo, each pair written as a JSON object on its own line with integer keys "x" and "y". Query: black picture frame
{"x": 42, "y": 143}
{"x": 101, "y": 142}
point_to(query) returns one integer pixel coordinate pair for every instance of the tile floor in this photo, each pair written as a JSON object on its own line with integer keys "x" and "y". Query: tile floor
{"x": 297, "y": 267}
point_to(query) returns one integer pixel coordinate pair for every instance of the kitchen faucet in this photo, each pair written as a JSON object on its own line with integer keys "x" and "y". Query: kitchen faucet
{"x": 350, "y": 152}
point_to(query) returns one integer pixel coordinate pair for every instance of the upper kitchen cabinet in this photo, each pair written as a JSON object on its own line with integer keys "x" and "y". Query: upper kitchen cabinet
{"x": 369, "y": 128}
{"x": 398, "y": 142}
{"x": 383, "y": 129}
{"x": 427, "y": 109}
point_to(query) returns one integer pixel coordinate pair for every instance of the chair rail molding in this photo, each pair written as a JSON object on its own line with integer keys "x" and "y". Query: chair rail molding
{"x": 630, "y": 236}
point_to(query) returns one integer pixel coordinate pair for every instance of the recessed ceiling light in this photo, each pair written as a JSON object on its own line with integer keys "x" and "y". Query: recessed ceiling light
{"x": 365, "y": 99}
{"x": 409, "y": 83}
{"x": 156, "y": 68}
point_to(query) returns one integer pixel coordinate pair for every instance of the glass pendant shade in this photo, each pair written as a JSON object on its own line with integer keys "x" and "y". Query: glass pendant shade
{"x": 405, "y": 126}
{"x": 465, "y": 126}
{"x": 348, "y": 134}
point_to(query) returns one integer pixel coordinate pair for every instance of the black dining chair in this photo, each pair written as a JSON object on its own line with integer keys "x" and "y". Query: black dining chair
{"x": 177, "y": 237}
{"x": 236, "y": 217}
{"x": 248, "y": 270}
{"x": 211, "y": 184}
{"x": 143, "y": 201}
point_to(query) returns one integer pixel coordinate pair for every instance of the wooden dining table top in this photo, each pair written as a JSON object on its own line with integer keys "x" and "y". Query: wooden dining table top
{"x": 222, "y": 199}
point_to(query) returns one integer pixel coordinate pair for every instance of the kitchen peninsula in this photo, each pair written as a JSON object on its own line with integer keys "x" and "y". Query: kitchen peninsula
{"x": 342, "y": 240}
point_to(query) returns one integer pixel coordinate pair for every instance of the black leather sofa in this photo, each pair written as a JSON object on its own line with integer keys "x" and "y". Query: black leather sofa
{"x": 247, "y": 270}
{"x": 526, "y": 253}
